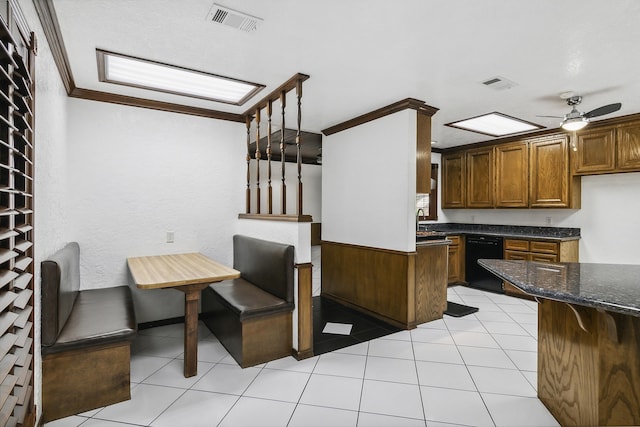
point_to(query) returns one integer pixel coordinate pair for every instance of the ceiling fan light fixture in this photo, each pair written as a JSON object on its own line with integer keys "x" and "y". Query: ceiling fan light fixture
{"x": 574, "y": 123}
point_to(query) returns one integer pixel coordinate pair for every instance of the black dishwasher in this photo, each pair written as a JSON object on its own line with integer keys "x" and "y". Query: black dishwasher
{"x": 487, "y": 247}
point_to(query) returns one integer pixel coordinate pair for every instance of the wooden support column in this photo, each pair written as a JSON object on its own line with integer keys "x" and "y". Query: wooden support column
{"x": 283, "y": 196}
{"x": 257, "y": 160}
{"x": 299, "y": 156}
{"x": 248, "y": 196}
{"x": 269, "y": 188}
{"x": 305, "y": 312}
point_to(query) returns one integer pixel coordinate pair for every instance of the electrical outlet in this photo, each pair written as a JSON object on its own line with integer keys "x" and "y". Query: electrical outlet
{"x": 548, "y": 220}
{"x": 473, "y": 219}
{"x": 170, "y": 236}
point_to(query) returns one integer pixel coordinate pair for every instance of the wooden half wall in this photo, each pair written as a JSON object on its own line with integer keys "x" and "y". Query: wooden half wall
{"x": 400, "y": 288}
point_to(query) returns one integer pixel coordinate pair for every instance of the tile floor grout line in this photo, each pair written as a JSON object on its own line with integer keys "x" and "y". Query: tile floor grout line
{"x": 415, "y": 366}
{"x": 473, "y": 379}
{"x": 303, "y": 389}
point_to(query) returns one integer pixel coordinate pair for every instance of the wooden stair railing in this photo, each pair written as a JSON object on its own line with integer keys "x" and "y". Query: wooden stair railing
{"x": 253, "y": 117}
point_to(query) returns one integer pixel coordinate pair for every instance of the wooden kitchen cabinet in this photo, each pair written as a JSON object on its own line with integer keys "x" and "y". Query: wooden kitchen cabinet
{"x": 455, "y": 265}
{"x": 479, "y": 164}
{"x": 550, "y": 183}
{"x": 628, "y": 136}
{"x": 512, "y": 175}
{"x": 608, "y": 149}
{"x": 453, "y": 180}
{"x": 540, "y": 251}
{"x": 595, "y": 152}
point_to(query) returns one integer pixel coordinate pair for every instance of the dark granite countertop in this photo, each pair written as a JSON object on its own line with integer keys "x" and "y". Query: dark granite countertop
{"x": 612, "y": 287}
{"x": 515, "y": 231}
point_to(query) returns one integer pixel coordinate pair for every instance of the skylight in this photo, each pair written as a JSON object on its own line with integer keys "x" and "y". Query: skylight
{"x": 142, "y": 73}
{"x": 495, "y": 124}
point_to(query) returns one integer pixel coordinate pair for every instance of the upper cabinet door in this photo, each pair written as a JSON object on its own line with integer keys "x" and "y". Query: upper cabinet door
{"x": 453, "y": 180}
{"x": 512, "y": 175}
{"x": 595, "y": 152}
{"x": 629, "y": 147}
{"x": 549, "y": 173}
{"x": 480, "y": 178}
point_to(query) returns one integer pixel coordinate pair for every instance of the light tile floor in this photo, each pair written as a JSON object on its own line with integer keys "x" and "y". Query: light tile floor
{"x": 478, "y": 370}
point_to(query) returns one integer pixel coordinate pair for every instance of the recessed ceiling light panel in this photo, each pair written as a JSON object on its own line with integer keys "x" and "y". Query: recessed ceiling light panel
{"x": 495, "y": 124}
{"x": 146, "y": 74}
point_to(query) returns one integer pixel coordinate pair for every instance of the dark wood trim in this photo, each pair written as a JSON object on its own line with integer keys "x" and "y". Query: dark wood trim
{"x": 453, "y": 124}
{"x": 94, "y": 95}
{"x": 369, "y": 248}
{"x": 301, "y": 355}
{"x": 408, "y": 103}
{"x": 163, "y": 322}
{"x": 592, "y": 126}
{"x": 287, "y": 86}
{"x": 303, "y": 265}
{"x": 274, "y": 217}
{"x": 316, "y": 233}
{"x": 102, "y": 76}
{"x": 305, "y": 309}
{"x": 49, "y": 22}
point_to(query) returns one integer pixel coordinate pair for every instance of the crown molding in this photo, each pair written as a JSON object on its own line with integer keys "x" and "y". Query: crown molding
{"x": 408, "y": 103}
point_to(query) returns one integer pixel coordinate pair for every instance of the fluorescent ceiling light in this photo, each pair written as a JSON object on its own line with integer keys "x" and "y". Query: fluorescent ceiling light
{"x": 495, "y": 124}
{"x": 146, "y": 74}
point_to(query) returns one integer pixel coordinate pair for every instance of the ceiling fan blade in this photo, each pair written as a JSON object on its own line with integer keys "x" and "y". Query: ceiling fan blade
{"x": 553, "y": 117}
{"x": 606, "y": 109}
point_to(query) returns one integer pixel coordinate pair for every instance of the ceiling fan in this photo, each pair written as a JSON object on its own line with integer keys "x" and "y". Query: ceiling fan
{"x": 575, "y": 120}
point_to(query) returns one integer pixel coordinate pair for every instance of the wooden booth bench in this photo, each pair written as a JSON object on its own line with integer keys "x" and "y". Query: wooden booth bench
{"x": 251, "y": 315}
{"x": 86, "y": 337}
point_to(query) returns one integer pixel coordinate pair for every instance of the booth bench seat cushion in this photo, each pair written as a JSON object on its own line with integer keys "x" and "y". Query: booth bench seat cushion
{"x": 247, "y": 300}
{"x": 99, "y": 316}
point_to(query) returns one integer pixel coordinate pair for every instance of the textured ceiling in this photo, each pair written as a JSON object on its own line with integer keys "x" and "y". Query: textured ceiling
{"x": 365, "y": 54}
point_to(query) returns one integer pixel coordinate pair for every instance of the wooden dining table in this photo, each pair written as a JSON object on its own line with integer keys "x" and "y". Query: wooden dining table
{"x": 189, "y": 273}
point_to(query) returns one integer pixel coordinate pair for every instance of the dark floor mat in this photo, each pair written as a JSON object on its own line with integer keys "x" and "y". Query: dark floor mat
{"x": 365, "y": 328}
{"x": 458, "y": 310}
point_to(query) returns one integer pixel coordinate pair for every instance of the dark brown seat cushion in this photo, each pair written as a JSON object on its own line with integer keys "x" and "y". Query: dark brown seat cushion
{"x": 268, "y": 265}
{"x": 99, "y": 316}
{"x": 74, "y": 318}
{"x": 246, "y": 300}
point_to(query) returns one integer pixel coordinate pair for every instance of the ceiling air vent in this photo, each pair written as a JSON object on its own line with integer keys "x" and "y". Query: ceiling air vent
{"x": 499, "y": 83}
{"x": 233, "y": 18}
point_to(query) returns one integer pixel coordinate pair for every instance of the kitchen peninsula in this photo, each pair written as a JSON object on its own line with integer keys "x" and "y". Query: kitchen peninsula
{"x": 588, "y": 338}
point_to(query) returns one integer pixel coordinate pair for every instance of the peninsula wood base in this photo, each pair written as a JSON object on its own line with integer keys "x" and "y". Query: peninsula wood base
{"x": 588, "y": 365}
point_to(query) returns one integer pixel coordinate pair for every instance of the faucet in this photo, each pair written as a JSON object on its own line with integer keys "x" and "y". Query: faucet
{"x": 418, "y": 218}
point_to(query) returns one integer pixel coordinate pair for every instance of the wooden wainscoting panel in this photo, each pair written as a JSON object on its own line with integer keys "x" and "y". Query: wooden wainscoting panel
{"x": 373, "y": 280}
{"x": 431, "y": 283}
{"x": 567, "y": 364}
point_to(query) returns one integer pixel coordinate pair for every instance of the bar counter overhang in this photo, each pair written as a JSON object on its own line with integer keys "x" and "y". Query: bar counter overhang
{"x": 588, "y": 337}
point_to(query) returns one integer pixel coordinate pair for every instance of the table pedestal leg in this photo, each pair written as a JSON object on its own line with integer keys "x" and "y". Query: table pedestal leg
{"x": 191, "y": 300}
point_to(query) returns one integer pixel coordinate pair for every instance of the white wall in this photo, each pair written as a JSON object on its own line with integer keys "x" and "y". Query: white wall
{"x": 135, "y": 174}
{"x": 369, "y": 183}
